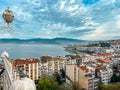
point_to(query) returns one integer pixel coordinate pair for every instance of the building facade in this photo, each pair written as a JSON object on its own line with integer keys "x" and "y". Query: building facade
{"x": 27, "y": 66}
{"x": 83, "y": 76}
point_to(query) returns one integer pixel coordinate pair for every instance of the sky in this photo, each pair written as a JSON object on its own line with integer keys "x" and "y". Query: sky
{"x": 77, "y": 19}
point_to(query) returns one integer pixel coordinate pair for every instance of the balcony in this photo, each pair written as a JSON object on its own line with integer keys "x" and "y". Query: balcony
{"x": 96, "y": 80}
{"x": 12, "y": 78}
{"x": 87, "y": 75}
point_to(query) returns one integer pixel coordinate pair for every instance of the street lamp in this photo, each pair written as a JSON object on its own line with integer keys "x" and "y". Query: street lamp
{"x": 8, "y": 17}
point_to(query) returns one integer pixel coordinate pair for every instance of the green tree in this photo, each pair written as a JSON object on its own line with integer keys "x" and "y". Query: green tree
{"x": 47, "y": 84}
{"x": 66, "y": 87}
{"x": 63, "y": 74}
{"x": 58, "y": 78}
{"x": 100, "y": 84}
{"x": 43, "y": 59}
{"x": 115, "y": 78}
{"x": 104, "y": 44}
{"x": 113, "y": 86}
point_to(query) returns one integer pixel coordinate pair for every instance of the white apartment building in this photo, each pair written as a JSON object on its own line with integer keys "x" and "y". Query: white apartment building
{"x": 49, "y": 65}
{"x": 27, "y": 66}
{"x": 116, "y": 59}
{"x": 107, "y": 62}
{"x": 103, "y": 70}
{"x": 105, "y": 75}
{"x": 93, "y": 57}
{"x": 115, "y": 47}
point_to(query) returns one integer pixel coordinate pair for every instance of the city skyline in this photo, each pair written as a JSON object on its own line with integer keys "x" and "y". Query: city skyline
{"x": 77, "y": 19}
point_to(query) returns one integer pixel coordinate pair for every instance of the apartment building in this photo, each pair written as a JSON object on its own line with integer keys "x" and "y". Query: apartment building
{"x": 103, "y": 70}
{"x": 104, "y": 74}
{"x": 107, "y": 62}
{"x": 27, "y": 66}
{"x": 73, "y": 59}
{"x": 46, "y": 65}
{"x": 115, "y": 47}
{"x": 91, "y": 58}
{"x": 59, "y": 63}
{"x": 101, "y": 56}
{"x": 115, "y": 59}
{"x": 49, "y": 65}
{"x": 100, "y": 69}
{"x": 82, "y": 75}
{"x": 118, "y": 66}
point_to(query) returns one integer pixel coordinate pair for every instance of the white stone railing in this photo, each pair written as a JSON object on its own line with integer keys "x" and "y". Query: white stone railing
{"x": 11, "y": 78}
{"x": 8, "y": 74}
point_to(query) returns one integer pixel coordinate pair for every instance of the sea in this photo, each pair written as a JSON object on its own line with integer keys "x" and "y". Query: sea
{"x": 16, "y": 51}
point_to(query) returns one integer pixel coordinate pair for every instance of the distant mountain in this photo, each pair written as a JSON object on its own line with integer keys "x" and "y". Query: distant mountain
{"x": 43, "y": 41}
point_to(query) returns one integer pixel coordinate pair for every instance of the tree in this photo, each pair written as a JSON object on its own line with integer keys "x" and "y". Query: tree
{"x": 113, "y": 86}
{"x": 66, "y": 87}
{"x": 43, "y": 59}
{"x": 100, "y": 84}
{"x": 58, "y": 78}
{"x": 63, "y": 74}
{"x": 115, "y": 78}
{"x": 104, "y": 44}
{"x": 47, "y": 84}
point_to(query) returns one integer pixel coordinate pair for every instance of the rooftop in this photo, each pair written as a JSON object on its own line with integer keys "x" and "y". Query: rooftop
{"x": 107, "y": 60}
{"x": 24, "y": 61}
{"x": 84, "y": 68}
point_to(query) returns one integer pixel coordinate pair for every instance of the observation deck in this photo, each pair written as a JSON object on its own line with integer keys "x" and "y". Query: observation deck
{"x": 12, "y": 79}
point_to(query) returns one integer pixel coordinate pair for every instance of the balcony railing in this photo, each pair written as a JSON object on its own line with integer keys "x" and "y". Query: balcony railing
{"x": 12, "y": 78}
{"x": 8, "y": 74}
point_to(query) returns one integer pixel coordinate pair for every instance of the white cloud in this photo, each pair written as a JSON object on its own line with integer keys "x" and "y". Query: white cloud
{"x": 5, "y": 35}
{"x": 21, "y": 15}
{"x": 62, "y": 4}
{"x": 72, "y": 1}
{"x": 109, "y": 30}
{"x": 72, "y": 8}
{"x": 38, "y": 18}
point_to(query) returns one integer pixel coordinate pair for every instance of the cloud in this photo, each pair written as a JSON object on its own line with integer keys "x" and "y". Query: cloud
{"x": 81, "y": 19}
{"x": 4, "y": 35}
{"x": 109, "y": 30}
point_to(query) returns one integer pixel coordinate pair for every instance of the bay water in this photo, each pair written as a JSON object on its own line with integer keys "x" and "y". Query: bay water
{"x": 32, "y": 50}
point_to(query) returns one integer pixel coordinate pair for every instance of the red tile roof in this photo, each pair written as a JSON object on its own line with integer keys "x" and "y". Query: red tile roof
{"x": 77, "y": 56}
{"x": 104, "y": 54}
{"x": 97, "y": 70}
{"x": 83, "y": 56}
{"x": 46, "y": 57}
{"x": 107, "y": 60}
{"x": 26, "y": 61}
{"x": 84, "y": 68}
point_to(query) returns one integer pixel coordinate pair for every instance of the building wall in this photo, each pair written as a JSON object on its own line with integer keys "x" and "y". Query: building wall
{"x": 51, "y": 66}
{"x": 105, "y": 75}
{"x": 70, "y": 72}
{"x": 32, "y": 70}
{"x": 28, "y": 67}
{"x": 83, "y": 82}
{"x": 76, "y": 74}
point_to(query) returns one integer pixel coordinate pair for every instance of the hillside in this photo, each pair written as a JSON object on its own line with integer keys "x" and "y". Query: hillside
{"x": 42, "y": 41}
